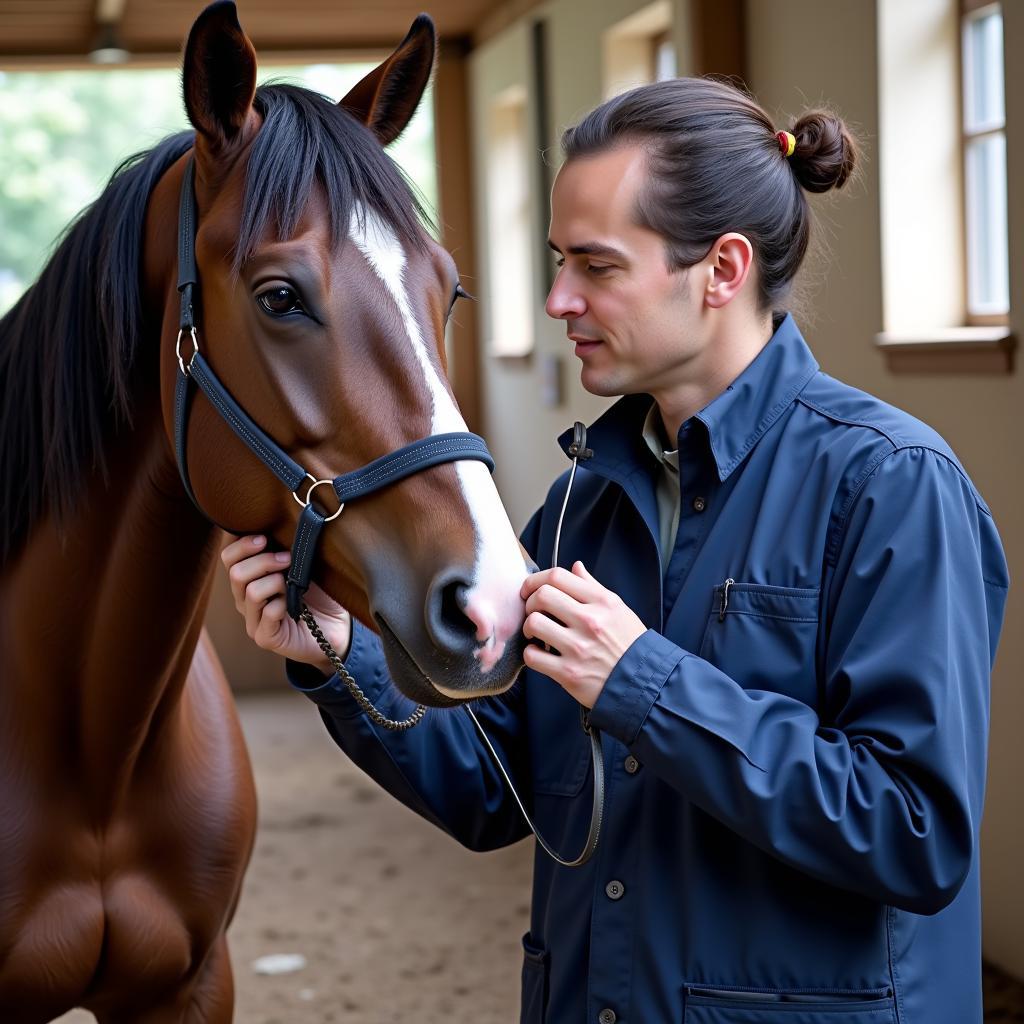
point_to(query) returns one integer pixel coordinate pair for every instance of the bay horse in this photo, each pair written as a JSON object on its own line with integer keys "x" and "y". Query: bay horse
{"x": 127, "y": 808}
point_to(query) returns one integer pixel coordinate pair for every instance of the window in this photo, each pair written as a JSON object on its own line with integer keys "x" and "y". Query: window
{"x": 664, "y": 65}
{"x": 639, "y": 50}
{"x": 508, "y": 226}
{"x": 984, "y": 126}
{"x": 941, "y": 154}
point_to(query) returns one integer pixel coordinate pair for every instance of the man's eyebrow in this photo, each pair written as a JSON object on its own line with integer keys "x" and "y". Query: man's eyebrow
{"x": 593, "y": 249}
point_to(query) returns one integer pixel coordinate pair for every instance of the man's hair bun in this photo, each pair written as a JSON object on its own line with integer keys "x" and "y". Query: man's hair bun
{"x": 826, "y": 151}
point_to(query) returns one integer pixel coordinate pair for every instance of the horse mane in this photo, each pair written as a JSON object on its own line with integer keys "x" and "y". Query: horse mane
{"x": 307, "y": 139}
{"x": 69, "y": 346}
{"x": 67, "y": 349}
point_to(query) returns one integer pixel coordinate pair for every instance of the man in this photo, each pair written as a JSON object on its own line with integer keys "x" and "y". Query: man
{"x": 782, "y": 609}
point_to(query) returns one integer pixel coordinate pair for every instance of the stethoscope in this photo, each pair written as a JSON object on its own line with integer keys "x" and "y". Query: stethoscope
{"x": 579, "y": 452}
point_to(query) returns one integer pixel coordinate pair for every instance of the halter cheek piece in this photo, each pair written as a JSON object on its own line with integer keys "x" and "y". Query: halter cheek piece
{"x": 389, "y": 469}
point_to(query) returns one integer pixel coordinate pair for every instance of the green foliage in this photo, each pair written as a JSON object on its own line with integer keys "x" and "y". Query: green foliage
{"x": 62, "y": 135}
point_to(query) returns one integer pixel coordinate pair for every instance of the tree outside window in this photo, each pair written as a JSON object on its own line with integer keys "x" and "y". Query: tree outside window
{"x": 63, "y": 133}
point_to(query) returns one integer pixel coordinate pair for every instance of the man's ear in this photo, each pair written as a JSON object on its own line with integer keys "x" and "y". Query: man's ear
{"x": 219, "y": 77}
{"x": 388, "y": 96}
{"x": 727, "y": 266}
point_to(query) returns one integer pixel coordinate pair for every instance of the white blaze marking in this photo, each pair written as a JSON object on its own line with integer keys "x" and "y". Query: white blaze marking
{"x": 496, "y": 595}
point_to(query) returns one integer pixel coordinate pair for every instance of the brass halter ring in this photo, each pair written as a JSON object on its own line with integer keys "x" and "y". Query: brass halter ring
{"x": 316, "y": 483}
{"x": 195, "y": 349}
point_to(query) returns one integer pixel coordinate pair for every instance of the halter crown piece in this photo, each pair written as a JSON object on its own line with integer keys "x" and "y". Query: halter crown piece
{"x": 787, "y": 143}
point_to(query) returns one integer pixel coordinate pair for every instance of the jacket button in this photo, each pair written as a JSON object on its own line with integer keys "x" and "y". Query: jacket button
{"x": 607, "y": 1016}
{"x": 632, "y": 765}
{"x": 698, "y": 504}
{"x": 615, "y": 890}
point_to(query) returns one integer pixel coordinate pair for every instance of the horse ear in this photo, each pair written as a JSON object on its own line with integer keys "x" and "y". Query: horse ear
{"x": 388, "y": 96}
{"x": 219, "y": 75}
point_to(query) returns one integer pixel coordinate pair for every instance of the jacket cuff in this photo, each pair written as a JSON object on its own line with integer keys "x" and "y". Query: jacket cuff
{"x": 365, "y": 663}
{"x": 634, "y": 684}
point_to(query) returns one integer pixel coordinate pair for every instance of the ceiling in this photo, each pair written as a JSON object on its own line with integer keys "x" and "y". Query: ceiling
{"x": 66, "y": 30}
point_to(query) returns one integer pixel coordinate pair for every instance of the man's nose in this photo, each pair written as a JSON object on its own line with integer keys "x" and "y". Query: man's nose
{"x": 564, "y": 302}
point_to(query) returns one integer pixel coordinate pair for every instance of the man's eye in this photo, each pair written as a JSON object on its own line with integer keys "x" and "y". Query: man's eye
{"x": 592, "y": 268}
{"x": 280, "y": 301}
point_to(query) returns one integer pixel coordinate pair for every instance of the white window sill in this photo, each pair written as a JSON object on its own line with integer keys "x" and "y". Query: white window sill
{"x": 950, "y": 350}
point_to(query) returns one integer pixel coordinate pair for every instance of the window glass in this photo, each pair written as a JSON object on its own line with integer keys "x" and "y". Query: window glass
{"x": 983, "y": 71}
{"x": 985, "y": 204}
{"x": 988, "y": 271}
{"x": 510, "y": 245}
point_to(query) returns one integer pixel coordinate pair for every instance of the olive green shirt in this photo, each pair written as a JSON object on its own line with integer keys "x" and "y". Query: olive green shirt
{"x": 668, "y": 494}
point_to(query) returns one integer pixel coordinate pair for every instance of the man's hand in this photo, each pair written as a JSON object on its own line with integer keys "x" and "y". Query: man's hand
{"x": 589, "y": 627}
{"x": 258, "y": 587}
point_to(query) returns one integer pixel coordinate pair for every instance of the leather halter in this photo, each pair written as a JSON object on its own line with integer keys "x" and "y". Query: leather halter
{"x": 389, "y": 469}
{"x": 428, "y": 451}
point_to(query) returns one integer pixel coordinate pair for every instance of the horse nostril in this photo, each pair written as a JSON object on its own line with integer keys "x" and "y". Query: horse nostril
{"x": 453, "y": 601}
{"x": 448, "y": 624}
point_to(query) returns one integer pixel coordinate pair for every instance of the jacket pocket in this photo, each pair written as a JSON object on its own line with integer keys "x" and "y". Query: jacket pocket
{"x": 764, "y": 637}
{"x": 706, "y": 1005}
{"x": 535, "y": 982}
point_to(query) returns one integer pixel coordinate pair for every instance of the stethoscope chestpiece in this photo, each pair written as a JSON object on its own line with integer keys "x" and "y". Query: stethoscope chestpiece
{"x": 578, "y": 447}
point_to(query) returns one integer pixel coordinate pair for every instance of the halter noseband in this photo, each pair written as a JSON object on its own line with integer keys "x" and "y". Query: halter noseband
{"x": 389, "y": 469}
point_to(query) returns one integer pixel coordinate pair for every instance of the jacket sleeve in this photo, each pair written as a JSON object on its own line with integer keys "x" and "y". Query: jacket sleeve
{"x": 878, "y": 790}
{"x": 439, "y": 768}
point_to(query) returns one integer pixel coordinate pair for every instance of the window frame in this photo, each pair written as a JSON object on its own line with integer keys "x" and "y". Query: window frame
{"x": 969, "y": 10}
{"x": 964, "y": 343}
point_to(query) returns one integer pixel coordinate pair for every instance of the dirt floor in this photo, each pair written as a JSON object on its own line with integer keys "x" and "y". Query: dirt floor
{"x": 396, "y": 921}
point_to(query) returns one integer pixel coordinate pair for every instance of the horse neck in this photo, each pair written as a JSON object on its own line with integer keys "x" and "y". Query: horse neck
{"x": 102, "y": 616}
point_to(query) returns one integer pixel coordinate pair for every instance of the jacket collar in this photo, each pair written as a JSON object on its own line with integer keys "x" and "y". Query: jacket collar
{"x": 736, "y": 420}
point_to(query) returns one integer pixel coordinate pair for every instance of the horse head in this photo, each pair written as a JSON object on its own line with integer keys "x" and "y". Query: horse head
{"x": 323, "y": 309}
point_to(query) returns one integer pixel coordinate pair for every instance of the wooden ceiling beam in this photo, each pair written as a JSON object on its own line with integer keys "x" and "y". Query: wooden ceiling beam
{"x": 38, "y": 32}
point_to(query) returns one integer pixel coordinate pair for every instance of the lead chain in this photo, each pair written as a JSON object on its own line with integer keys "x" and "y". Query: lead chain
{"x": 360, "y": 698}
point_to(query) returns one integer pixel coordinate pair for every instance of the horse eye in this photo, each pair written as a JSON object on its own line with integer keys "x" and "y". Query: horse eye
{"x": 460, "y": 293}
{"x": 280, "y": 301}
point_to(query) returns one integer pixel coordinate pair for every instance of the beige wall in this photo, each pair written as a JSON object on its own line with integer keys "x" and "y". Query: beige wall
{"x": 799, "y": 52}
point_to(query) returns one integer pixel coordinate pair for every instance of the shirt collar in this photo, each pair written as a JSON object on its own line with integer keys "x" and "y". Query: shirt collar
{"x": 653, "y": 435}
{"x": 736, "y": 420}
{"x": 739, "y": 417}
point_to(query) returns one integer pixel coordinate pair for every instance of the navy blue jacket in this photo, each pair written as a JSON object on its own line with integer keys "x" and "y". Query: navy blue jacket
{"x": 795, "y": 768}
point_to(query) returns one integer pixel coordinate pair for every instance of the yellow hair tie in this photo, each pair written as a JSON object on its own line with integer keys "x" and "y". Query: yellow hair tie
{"x": 787, "y": 143}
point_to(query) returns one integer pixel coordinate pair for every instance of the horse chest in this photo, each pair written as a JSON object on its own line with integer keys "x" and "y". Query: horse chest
{"x": 83, "y": 939}
{"x": 118, "y": 895}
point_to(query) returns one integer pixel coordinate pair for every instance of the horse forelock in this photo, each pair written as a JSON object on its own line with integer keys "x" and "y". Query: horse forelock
{"x": 308, "y": 143}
